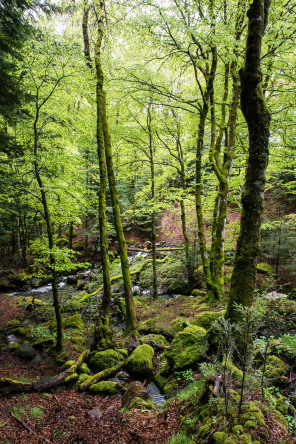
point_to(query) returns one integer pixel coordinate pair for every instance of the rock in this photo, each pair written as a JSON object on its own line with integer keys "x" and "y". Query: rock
{"x": 25, "y": 351}
{"x": 275, "y": 371}
{"x": 263, "y": 268}
{"x": 147, "y": 245}
{"x": 207, "y": 318}
{"x": 134, "y": 390}
{"x": 37, "y": 282}
{"x": 81, "y": 284}
{"x": 18, "y": 331}
{"x": 72, "y": 280}
{"x": 154, "y": 339}
{"x": 179, "y": 287}
{"x": 105, "y": 359}
{"x": 74, "y": 321}
{"x": 197, "y": 293}
{"x": 95, "y": 414}
{"x": 123, "y": 376}
{"x": 84, "y": 369}
{"x": 188, "y": 347}
{"x": 139, "y": 363}
{"x": 138, "y": 403}
{"x": 107, "y": 387}
{"x": 275, "y": 295}
{"x": 68, "y": 364}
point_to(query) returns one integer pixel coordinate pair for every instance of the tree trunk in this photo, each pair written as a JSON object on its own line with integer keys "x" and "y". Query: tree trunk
{"x": 258, "y": 120}
{"x": 102, "y": 332}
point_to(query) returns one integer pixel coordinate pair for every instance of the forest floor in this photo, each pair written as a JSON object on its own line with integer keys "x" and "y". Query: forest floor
{"x": 67, "y": 416}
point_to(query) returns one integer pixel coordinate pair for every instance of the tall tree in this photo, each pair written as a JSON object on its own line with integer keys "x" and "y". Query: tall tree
{"x": 258, "y": 120}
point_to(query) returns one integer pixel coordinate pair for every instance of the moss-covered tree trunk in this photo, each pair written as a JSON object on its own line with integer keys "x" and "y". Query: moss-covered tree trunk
{"x": 212, "y": 289}
{"x": 258, "y": 120}
{"x": 102, "y": 331}
{"x": 46, "y": 215}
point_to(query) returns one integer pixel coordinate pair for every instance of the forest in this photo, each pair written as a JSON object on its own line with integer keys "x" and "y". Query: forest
{"x": 147, "y": 221}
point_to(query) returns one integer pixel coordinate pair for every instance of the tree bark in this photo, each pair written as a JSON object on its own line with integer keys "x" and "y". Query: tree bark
{"x": 258, "y": 120}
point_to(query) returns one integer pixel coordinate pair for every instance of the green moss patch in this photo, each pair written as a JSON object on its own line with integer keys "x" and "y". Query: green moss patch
{"x": 107, "y": 387}
{"x": 139, "y": 363}
{"x": 188, "y": 347}
{"x": 105, "y": 359}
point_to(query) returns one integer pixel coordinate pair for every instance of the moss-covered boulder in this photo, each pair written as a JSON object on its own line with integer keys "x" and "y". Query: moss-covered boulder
{"x": 251, "y": 417}
{"x": 284, "y": 406}
{"x": 153, "y": 338}
{"x": 276, "y": 371}
{"x": 18, "y": 331}
{"x": 84, "y": 369}
{"x": 74, "y": 321}
{"x": 138, "y": 403}
{"x": 179, "y": 287}
{"x": 219, "y": 437}
{"x": 81, "y": 378}
{"x": 198, "y": 293}
{"x": 207, "y": 318}
{"x": 263, "y": 268}
{"x": 25, "y": 351}
{"x": 188, "y": 347}
{"x": 71, "y": 378}
{"x": 107, "y": 387}
{"x": 68, "y": 364}
{"x": 105, "y": 359}
{"x": 139, "y": 364}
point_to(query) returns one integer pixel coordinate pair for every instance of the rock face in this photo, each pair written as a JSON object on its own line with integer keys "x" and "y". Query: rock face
{"x": 188, "y": 347}
{"x": 134, "y": 390}
{"x": 106, "y": 359}
{"x": 139, "y": 364}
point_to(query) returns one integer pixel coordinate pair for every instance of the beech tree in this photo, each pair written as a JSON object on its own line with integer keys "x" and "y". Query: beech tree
{"x": 257, "y": 117}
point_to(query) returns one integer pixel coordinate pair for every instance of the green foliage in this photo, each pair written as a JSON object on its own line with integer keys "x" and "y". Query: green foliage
{"x": 39, "y": 332}
{"x": 36, "y": 413}
{"x": 180, "y": 438}
{"x": 185, "y": 374}
{"x": 18, "y": 411}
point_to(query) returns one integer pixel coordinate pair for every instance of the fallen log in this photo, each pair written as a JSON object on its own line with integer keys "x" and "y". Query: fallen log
{"x": 29, "y": 428}
{"x": 105, "y": 374}
{"x": 8, "y": 385}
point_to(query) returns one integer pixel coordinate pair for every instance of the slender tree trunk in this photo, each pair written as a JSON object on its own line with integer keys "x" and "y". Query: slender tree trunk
{"x": 70, "y": 235}
{"x": 131, "y": 323}
{"x": 258, "y": 121}
{"x": 102, "y": 332}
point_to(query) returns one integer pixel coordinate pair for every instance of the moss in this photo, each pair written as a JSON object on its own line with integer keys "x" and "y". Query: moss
{"x": 253, "y": 416}
{"x": 122, "y": 351}
{"x": 106, "y": 359}
{"x": 279, "y": 417}
{"x": 84, "y": 369}
{"x": 81, "y": 378}
{"x": 157, "y": 339}
{"x": 236, "y": 372}
{"x": 230, "y": 440}
{"x": 227, "y": 278}
{"x": 13, "y": 346}
{"x": 238, "y": 429}
{"x": 200, "y": 293}
{"x": 106, "y": 387}
{"x": 263, "y": 268}
{"x": 179, "y": 287}
{"x": 188, "y": 347}
{"x": 14, "y": 323}
{"x": 284, "y": 406}
{"x": 68, "y": 364}
{"x": 138, "y": 403}
{"x": 246, "y": 438}
{"x": 170, "y": 388}
{"x": 275, "y": 371}
{"x": 74, "y": 321}
{"x": 250, "y": 425}
{"x": 139, "y": 363}
{"x": 71, "y": 378}
{"x": 219, "y": 437}
{"x": 207, "y": 318}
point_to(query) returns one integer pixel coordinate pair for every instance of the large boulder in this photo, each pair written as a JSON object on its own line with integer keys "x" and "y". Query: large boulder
{"x": 207, "y": 318}
{"x": 106, "y": 359}
{"x": 25, "y": 351}
{"x": 188, "y": 347}
{"x": 139, "y": 364}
